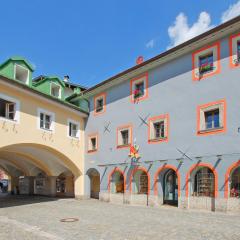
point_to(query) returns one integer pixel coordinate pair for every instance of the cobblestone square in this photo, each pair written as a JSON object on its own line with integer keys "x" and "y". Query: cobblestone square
{"x": 39, "y": 218}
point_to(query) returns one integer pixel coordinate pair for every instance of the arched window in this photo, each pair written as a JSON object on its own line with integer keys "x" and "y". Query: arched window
{"x": 235, "y": 183}
{"x": 204, "y": 183}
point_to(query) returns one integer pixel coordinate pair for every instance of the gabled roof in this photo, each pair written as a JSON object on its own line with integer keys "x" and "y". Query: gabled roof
{"x": 41, "y": 79}
{"x": 165, "y": 54}
{"x": 18, "y": 58}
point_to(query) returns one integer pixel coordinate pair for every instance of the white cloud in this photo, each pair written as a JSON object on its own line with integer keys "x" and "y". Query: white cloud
{"x": 231, "y": 12}
{"x": 151, "y": 43}
{"x": 180, "y": 31}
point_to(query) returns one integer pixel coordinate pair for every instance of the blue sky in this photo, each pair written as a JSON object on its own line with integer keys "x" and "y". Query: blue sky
{"x": 93, "y": 40}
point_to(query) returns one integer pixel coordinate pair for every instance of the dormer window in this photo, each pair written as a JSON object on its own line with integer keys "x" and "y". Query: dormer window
{"x": 55, "y": 90}
{"x": 206, "y": 63}
{"x": 21, "y": 74}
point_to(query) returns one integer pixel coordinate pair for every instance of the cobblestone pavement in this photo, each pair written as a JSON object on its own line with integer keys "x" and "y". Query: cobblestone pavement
{"x": 38, "y": 218}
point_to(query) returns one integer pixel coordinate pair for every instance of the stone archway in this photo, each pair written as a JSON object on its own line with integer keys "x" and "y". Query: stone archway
{"x": 35, "y": 168}
{"x": 94, "y": 177}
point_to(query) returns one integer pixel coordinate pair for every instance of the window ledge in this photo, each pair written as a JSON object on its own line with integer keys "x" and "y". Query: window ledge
{"x": 8, "y": 119}
{"x": 47, "y": 130}
{"x": 123, "y": 146}
{"x": 211, "y": 130}
{"x": 92, "y": 151}
{"x": 158, "y": 139}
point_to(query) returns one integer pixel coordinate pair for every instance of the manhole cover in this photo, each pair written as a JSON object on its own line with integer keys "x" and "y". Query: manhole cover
{"x": 69, "y": 220}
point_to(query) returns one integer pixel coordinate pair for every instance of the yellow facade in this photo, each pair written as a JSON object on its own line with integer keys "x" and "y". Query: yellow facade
{"x": 28, "y": 150}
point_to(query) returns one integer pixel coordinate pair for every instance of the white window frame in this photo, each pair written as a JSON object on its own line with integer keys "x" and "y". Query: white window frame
{"x": 120, "y": 138}
{"x": 220, "y": 107}
{"x": 60, "y": 92}
{"x": 90, "y": 149}
{"x": 152, "y": 130}
{"x": 52, "y": 126}
{"x": 78, "y": 128}
{"x": 17, "y": 108}
{"x": 15, "y": 70}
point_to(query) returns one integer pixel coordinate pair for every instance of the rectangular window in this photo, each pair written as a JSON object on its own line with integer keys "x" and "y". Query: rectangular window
{"x": 93, "y": 144}
{"x": 73, "y": 130}
{"x": 125, "y": 137}
{"x": 206, "y": 63}
{"x": 238, "y": 51}
{"x": 158, "y": 130}
{"x": 45, "y": 121}
{"x": 7, "y": 109}
{"x": 99, "y": 105}
{"x": 55, "y": 90}
{"x": 139, "y": 90}
{"x": 212, "y": 119}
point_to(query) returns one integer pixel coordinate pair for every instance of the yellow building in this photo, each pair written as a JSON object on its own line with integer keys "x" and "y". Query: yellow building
{"x": 42, "y": 138}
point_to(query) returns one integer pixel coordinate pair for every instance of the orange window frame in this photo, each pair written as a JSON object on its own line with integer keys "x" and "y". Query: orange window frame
{"x": 160, "y": 117}
{"x": 94, "y": 135}
{"x": 231, "y": 38}
{"x": 195, "y": 65}
{"x": 130, "y": 129}
{"x": 132, "y": 83}
{"x": 214, "y": 131}
{"x": 101, "y": 95}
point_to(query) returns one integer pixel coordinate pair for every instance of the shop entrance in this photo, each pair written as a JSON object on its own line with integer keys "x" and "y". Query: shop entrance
{"x": 170, "y": 191}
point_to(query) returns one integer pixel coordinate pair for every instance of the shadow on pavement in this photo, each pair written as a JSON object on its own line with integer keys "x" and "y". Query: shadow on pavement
{"x": 7, "y": 200}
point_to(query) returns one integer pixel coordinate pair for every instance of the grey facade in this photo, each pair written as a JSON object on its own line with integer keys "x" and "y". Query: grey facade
{"x": 172, "y": 91}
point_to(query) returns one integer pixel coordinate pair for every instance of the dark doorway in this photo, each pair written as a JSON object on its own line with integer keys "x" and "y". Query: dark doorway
{"x": 170, "y": 191}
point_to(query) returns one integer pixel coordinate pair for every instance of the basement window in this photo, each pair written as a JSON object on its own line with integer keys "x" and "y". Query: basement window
{"x": 7, "y": 109}
{"x": 21, "y": 74}
{"x": 55, "y": 90}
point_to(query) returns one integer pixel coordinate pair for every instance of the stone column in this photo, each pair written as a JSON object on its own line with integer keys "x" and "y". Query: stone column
{"x": 79, "y": 190}
{"x": 51, "y": 186}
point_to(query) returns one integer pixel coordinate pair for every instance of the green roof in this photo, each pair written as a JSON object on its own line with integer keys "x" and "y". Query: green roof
{"x": 18, "y": 58}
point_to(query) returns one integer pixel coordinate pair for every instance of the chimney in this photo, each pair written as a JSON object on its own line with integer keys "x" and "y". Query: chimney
{"x": 66, "y": 78}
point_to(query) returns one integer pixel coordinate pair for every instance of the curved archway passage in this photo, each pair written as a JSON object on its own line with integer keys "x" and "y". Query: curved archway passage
{"x": 65, "y": 185}
{"x": 94, "y": 177}
{"x": 26, "y": 162}
{"x": 117, "y": 182}
{"x": 140, "y": 181}
{"x": 170, "y": 188}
